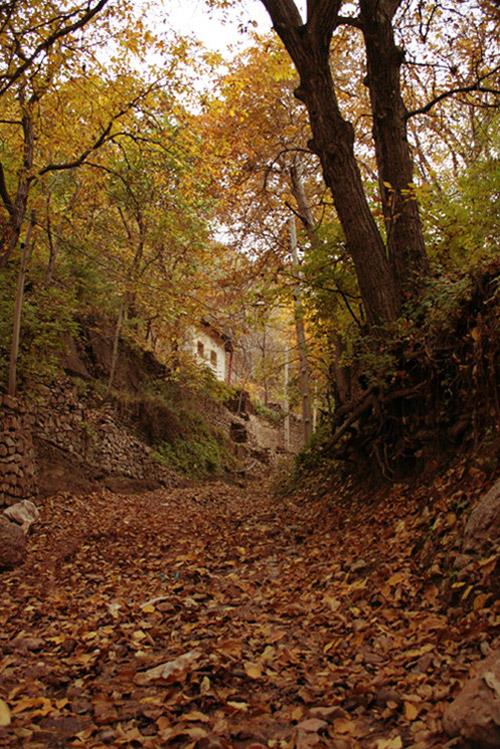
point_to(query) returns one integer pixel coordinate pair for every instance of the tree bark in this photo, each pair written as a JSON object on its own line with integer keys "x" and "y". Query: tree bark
{"x": 333, "y": 141}
{"x": 405, "y": 241}
{"x": 16, "y": 209}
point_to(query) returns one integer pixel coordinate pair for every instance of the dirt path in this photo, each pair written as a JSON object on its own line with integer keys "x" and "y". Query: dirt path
{"x": 281, "y": 624}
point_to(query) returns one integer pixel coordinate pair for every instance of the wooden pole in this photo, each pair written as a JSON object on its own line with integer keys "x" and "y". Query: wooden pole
{"x": 116, "y": 347}
{"x": 304, "y": 378}
{"x": 18, "y": 308}
{"x": 286, "y": 403}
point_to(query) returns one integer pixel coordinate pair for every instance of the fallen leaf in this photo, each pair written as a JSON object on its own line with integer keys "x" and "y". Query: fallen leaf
{"x": 312, "y": 725}
{"x": 238, "y": 705}
{"x": 4, "y": 714}
{"x": 171, "y": 670}
{"x": 344, "y": 725}
{"x": 395, "y": 743}
{"x": 411, "y": 711}
{"x": 253, "y": 670}
{"x": 491, "y": 680}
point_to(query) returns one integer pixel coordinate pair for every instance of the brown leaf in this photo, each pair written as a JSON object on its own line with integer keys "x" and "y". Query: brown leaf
{"x": 253, "y": 670}
{"x": 312, "y": 725}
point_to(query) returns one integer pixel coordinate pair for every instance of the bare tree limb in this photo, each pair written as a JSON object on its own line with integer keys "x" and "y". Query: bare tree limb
{"x": 46, "y": 44}
{"x": 454, "y": 91}
{"x": 104, "y": 137}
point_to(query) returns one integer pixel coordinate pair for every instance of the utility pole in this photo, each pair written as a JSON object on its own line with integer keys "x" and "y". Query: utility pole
{"x": 304, "y": 376}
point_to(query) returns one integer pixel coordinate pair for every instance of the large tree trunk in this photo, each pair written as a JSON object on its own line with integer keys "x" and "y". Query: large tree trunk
{"x": 333, "y": 141}
{"x": 405, "y": 241}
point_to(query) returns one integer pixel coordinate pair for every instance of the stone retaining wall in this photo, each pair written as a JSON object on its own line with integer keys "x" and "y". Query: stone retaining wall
{"x": 89, "y": 435}
{"x": 17, "y": 456}
{"x": 71, "y": 441}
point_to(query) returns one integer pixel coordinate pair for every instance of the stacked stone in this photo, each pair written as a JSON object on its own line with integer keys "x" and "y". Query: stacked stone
{"x": 93, "y": 435}
{"x": 17, "y": 458}
{"x": 59, "y": 420}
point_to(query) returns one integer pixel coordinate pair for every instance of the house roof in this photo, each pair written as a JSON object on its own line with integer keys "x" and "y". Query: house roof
{"x": 212, "y": 329}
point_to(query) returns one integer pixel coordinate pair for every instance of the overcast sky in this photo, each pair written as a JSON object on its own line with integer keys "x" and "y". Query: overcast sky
{"x": 193, "y": 17}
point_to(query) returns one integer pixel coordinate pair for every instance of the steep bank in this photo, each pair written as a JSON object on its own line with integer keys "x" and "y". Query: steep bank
{"x": 151, "y": 430}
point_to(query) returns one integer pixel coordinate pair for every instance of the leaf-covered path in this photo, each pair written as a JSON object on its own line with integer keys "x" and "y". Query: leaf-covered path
{"x": 277, "y": 623}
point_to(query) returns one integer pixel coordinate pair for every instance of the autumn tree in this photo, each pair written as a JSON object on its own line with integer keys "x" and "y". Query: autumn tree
{"x": 388, "y": 263}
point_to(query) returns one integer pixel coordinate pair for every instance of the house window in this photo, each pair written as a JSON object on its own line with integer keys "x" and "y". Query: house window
{"x": 201, "y": 349}
{"x": 213, "y": 358}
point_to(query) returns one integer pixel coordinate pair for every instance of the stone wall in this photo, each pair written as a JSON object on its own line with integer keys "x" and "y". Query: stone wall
{"x": 93, "y": 436}
{"x": 65, "y": 426}
{"x": 67, "y": 441}
{"x": 17, "y": 456}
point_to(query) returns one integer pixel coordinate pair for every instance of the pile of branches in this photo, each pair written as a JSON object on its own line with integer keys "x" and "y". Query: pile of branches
{"x": 443, "y": 391}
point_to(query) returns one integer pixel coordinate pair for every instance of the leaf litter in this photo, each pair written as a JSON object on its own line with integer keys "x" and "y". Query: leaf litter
{"x": 214, "y": 616}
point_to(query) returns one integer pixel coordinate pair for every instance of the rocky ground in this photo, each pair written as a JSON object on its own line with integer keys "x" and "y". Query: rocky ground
{"x": 217, "y": 616}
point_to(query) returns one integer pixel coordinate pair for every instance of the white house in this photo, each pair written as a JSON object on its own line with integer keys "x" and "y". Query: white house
{"x": 213, "y": 348}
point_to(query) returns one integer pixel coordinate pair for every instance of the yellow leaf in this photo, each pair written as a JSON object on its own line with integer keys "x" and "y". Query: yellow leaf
{"x": 195, "y": 715}
{"x": 268, "y": 654}
{"x": 4, "y": 714}
{"x": 253, "y": 670}
{"x": 479, "y": 601}
{"x": 195, "y": 733}
{"x": 488, "y": 560}
{"x": 399, "y": 577}
{"x": 344, "y": 725}
{"x": 332, "y": 602}
{"x": 466, "y": 594}
{"x": 411, "y": 711}
{"x": 26, "y": 703}
{"x": 451, "y": 519}
{"x": 238, "y": 705}
{"x": 395, "y": 743}
{"x": 417, "y": 652}
{"x": 148, "y": 608}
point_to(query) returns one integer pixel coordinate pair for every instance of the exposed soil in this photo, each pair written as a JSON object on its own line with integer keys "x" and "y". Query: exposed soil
{"x": 312, "y": 621}
{"x": 59, "y": 471}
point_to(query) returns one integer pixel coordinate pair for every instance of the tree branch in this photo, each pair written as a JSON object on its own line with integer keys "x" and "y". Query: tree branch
{"x": 102, "y": 139}
{"x": 49, "y": 42}
{"x": 356, "y": 23}
{"x": 453, "y": 91}
{"x": 83, "y": 156}
{"x": 4, "y": 193}
{"x": 283, "y": 13}
{"x": 322, "y": 19}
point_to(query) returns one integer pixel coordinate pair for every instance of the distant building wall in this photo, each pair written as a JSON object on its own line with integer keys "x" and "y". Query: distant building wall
{"x": 208, "y": 350}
